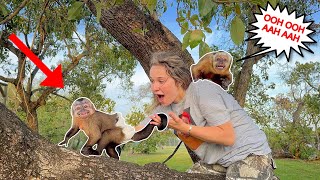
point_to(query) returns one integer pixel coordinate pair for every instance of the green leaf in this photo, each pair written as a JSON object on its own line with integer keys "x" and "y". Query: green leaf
{"x": 237, "y": 30}
{"x": 227, "y": 11}
{"x": 138, "y": 30}
{"x": 184, "y": 27}
{"x": 206, "y": 20}
{"x": 185, "y": 41}
{"x": 98, "y": 6}
{"x": 151, "y": 5}
{"x": 196, "y": 37}
{"x": 205, "y": 6}
{"x": 237, "y": 9}
{"x": 74, "y": 10}
{"x": 273, "y": 3}
{"x": 194, "y": 19}
{"x": 180, "y": 19}
{"x": 3, "y": 10}
{"x": 204, "y": 48}
{"x": 208, "y": 29}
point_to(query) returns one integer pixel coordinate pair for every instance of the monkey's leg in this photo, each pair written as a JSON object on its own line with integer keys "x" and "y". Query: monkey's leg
{"x": 146, "y": 131}
{"x": 111, "y": 150}
{"x": 108, "y": 136}
{"x": 87, "y": 151}
{"x": 104, "y": 141}
{"x": 87, "y": 148}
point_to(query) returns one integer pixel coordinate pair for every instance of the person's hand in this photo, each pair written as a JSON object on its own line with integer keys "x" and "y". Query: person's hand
{"x": 156, "y": 120}
{"x": 177, "y": 123}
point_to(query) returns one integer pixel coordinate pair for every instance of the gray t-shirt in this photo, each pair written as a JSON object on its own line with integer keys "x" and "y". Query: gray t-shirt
{"x": 209, "y": 105}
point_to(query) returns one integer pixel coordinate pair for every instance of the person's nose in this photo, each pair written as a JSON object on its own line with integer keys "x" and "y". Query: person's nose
{"x": 155, "y": 86}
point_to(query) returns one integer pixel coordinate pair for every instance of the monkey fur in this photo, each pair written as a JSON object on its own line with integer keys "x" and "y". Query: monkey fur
{"x": 106, "y": 130}
{"x": 214, "y": 66}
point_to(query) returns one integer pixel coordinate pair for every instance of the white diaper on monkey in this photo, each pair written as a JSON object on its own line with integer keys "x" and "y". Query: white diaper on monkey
{"x": 128, "y": 130}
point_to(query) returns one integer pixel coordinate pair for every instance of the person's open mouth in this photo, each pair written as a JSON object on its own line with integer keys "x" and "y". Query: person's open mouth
{"x": 160, "y": 97}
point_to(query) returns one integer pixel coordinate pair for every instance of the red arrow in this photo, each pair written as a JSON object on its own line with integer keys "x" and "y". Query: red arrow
{"x": 54, "y": 79}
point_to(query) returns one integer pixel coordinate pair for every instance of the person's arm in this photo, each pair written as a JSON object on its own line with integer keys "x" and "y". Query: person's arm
{"x": 155, "y": 117}
{"x": 138, "y": 128}
{"x": 221, "y": 134}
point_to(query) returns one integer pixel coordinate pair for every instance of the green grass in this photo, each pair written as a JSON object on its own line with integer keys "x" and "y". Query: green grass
{"x": 180, "y": 161}
{"x": 287, "y": 168}
{"x": 297, "y": 169}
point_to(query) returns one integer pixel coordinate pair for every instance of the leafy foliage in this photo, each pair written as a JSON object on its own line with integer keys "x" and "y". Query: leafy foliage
{"x": 297, "y": 113}
{"x": 54, "y": 119}
{"x": 237, "y": 30}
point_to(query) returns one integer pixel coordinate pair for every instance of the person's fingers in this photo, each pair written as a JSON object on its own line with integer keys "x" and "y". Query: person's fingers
{"x": 174, "y": 117}
{"x": 156, "y": 120}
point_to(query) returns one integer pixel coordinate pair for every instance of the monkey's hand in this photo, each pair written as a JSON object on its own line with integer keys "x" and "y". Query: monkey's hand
{"x": 225, "y": 82}
{"x": 63, "y": 143}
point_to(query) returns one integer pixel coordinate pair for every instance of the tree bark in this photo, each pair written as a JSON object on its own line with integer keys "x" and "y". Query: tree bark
{"x": 25, "y": 155}
{"x": 121, "y": 21}
{"x": 242, "y": 81}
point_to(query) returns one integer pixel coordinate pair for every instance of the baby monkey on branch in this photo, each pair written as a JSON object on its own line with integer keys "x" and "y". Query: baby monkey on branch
{"x": 106, "y": 130}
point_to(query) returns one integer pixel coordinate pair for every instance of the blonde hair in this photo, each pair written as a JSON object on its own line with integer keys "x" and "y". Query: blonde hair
{"x": 175, "y": 67}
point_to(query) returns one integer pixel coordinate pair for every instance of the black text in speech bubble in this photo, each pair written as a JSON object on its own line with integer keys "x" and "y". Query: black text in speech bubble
{"x": 277, "y": 30}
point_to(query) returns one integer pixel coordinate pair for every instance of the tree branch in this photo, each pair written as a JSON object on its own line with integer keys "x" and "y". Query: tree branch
{"x": 79, "y": 37}
{"x": 15, "y": 12}
{"x": 7, "y": 44}
{"x": 9, "y": 80}
{"x": 56, "y": 94}
{"x": 47, "y": 91}
{"x": 36, "y": 158}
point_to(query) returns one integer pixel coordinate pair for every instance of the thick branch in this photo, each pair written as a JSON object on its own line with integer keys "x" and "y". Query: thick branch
{"x": 36, "y": 69}
{"x": 243, "y": 80}
{"x": 7, "y": 44}
{"x": 25, "y": 155}
{"x": 121, "y": 21}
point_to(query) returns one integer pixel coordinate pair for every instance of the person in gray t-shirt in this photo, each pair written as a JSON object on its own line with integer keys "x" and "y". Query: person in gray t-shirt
{"x": 208, "y": 120}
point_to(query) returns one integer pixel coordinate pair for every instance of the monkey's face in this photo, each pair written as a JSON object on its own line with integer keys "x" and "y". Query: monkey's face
{"x": 221, "y": 62}
{"x": 83, "y": 109}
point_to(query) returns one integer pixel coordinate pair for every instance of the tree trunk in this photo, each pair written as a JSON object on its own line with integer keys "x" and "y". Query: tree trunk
{"x": 121, "y": 21}
{"x": 317, "y": 135}
{"x": 242, "y": 81}
{"x": 32, "y": 119}
{"x": 25, "y": 155}
{"x": 296, "y": 113}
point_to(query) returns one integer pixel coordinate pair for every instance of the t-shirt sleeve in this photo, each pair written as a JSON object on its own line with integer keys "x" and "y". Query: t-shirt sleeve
{"x": 212, "y": 105}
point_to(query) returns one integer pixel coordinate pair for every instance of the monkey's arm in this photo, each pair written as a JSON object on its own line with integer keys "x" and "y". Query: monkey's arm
{"x": 226, "y": 81}
{"x": 72, "y": 131}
